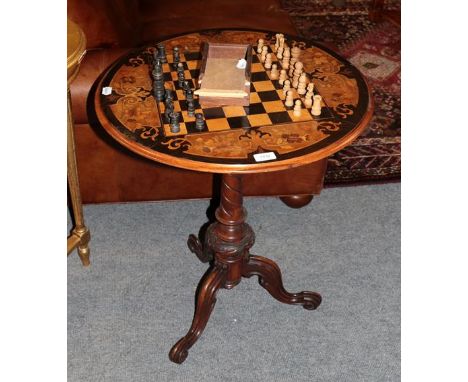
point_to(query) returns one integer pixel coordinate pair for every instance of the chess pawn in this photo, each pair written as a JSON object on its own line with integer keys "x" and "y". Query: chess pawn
{"x": 286, "y": 86}
{"x": 264, "y": 53}
{"x": 295, "y": 53}
{"x": 279, "y": 52}
{"x": 282, "y": 77}
{"x": 260, "y": 45}
{"x": 274, "y": 72}
{"x": 308, "y": 100}
{"x": 297, "y": 72}
{"x": 286, "y": 57}
{"x": 317, "y": 106}
{"x": 301, "y": 86}
{"x": 268, "y": 61}
{"x": 289, "y": 98}
{"x": 297, "y": 108}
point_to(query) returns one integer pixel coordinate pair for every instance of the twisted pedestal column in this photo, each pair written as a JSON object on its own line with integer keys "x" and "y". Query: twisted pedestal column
{"x": 227, "y": 244}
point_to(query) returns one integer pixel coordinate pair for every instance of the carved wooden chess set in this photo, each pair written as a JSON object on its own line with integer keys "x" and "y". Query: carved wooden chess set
{"x": 276, "y": 95}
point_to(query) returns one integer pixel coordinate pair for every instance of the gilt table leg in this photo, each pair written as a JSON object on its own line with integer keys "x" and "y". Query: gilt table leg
{"x": 80, "y": 235}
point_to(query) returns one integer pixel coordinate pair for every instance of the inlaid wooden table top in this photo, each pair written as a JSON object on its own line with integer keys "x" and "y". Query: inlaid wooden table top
{"x": 129, "y": 112}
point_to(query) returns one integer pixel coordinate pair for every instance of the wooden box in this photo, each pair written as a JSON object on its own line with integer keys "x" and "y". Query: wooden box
{"x": 221, "y": 81}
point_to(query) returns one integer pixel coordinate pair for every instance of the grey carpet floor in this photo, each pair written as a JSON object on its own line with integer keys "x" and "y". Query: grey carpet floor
{"x": 136, "y": 299}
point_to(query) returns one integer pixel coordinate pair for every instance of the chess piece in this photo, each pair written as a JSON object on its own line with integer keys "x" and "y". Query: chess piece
{"x": 174, "y": 122}
{"x": 199, "y": 121}
{"x": 286, "y": 86}
{"x": 189, "y": 94}
{"x": 308, "y": 100}
{"x": 282, "y": 77}
{"x": 180, "y": 74}
{"x": 295, "y": 53}
{"x": 279, "y": 53}
{"x": 168, "y": 109}
{"x": 310, "y": 88}
{"x": 286, "y": 56}
{"x": 268, "y": 61}
{"x": 158, "y": 80}
{"x": 260, "y": 45}
{"x": 274, "y": 72}
{"x": 190, "y": 108}
{"x": 317, "y": 106}
{"x": 162, "y": 53}
{"x": 264, "y": 53}
{"x": 278, "y": 35}
{"x": 297, "y": 108}
{"x": 281, "y": 42}
{"x": 301, "y": 86}
{"x": 298, "y": 68}
{"x": 289, "y": 98}
{"x": 176, "y": 57}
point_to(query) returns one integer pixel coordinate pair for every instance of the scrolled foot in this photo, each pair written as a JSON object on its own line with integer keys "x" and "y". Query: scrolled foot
{"x": 179, "y": 353}
{"x": 84, "y": 252}
{"x": 269, "y": 276}
{"x": 195, "y": 246}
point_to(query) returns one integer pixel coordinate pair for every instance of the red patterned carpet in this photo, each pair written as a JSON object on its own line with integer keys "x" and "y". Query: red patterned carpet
{"x": 374, "y": 48}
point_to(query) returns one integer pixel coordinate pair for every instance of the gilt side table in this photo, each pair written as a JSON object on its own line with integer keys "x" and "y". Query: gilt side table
{"x": 266, "y": 139}
{"x": 80, "y": 236}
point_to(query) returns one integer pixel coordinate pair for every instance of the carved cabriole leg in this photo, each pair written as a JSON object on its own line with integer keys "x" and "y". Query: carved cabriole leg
{"x": 206, "y": 300}
{"x": 80, "y": 235}
{"x": 269, "y": 276}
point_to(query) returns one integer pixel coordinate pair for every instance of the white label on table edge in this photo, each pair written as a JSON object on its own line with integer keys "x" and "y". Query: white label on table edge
{"x": 262, "y": 157}
{"x": 106, "y": 90}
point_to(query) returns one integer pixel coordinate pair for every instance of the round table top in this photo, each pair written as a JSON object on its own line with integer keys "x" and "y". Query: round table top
{"x": 127, "y": 110}
{"x": 76, "y": 49}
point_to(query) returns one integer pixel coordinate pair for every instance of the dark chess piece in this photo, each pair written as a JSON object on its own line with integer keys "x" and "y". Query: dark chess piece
{"x": 180, "y": 74}
{"x": 168, "y": 107}
{"x": 176, "y": 56}
{"x": 168, "y": 95}
{"x": 186, "y": 86}
{"x": 199, "y": 121}
{"x": 162, "y": 53}
{"x": 158, "y": 80}
{"x": 174, "y": 120}
{"x": 190, "y": 108}
{"x": 189, "y": 95}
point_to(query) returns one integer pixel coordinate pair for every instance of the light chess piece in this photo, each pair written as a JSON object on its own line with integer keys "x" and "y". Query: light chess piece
{"x": 279, "y": 53}
{"x": 317, "y": 106}
{"x": 264, "y": 53}
{"x": 260, "y": 45}
{"x": 308, "y": 100}
{"x": 298, "y": 69}
{"x": 268, "y": 61}
{"x": 301, "y": 86}
{"x": 297, "y": 108}
{"x": 310, "y": 88}
{"x": 282, "y": 77}
{"x": 274, "y": 72}
{"x": 286, "y": 86}
{"x": 286, "y": 56}
{"x": 289, "y": 98}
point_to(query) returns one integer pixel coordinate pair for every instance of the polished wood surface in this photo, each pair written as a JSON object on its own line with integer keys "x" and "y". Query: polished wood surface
{"x": 130, "y": 114}
{"x": 80, "y": 236}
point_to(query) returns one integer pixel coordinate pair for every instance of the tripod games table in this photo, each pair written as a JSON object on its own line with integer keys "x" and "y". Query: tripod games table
{"x": 235, "y": 140}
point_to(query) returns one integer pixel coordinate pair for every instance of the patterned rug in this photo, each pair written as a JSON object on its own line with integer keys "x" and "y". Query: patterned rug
{"x": 374, "y": 48}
